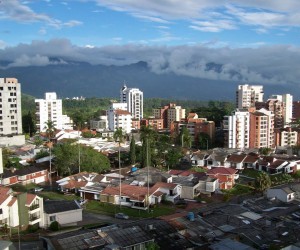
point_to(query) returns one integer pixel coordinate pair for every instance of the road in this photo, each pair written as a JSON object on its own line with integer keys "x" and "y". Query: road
{"x": 94, "y": 218}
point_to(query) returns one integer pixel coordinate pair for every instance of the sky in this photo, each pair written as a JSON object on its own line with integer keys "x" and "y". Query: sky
{"x": 258, "y": 40}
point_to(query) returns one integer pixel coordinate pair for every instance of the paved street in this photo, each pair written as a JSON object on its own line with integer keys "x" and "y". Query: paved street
{"x": 93, "y": 218}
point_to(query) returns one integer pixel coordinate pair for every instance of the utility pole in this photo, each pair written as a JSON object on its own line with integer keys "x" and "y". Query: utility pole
{"x": 78, "y": 154}
{"x": 120, "y": 182}
{"x": 147, "y": 160}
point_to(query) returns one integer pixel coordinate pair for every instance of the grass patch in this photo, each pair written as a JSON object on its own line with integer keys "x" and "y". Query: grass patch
{"x": 96, "y": 206}
{"x": 57, "y": 196}
{"x": 23, "y": 188}
{"x": 250, "y": 173}
{"x": 199, "y": 169}
{"x": 239, "y": 189}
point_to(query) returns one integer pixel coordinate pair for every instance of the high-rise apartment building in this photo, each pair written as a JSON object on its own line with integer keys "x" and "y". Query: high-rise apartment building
{"x": 48, "y": 109}
{"x": 287, "y": 113}
{"x": 247, "y": 95}
{"x": 169, "y": 114}
{"x": 134, "y": 99}
{"x": 119, "y": 117}
{"x": 277, "y": 107}
{"x": 261, "y": 129}
{"x": 236, "y": 129}
{"x": 10, "y": 101}
{"x": 249, "y": 129}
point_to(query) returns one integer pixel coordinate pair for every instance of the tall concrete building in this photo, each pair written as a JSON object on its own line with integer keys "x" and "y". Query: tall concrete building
{"x": 10, "y": 112}
{"x": 49, "y": 109}
{"x": 134, "y": 99}
{"x": 287, "y": 101}
{"x": 236, "y": 129}
{"x": 249, "y": 129}
{"x": 119, "y": 117}
{"x": 169, "y": 114}
{"x": 247, "y": 95}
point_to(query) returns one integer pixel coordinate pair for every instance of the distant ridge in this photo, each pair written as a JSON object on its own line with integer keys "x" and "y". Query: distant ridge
{"x": 83, "y": 79}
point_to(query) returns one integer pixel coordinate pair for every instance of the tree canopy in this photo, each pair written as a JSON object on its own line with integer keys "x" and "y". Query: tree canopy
{"x": 67, "y": 159}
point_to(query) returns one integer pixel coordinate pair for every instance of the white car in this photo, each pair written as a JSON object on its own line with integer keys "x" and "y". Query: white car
{"x": 121, "y": 216}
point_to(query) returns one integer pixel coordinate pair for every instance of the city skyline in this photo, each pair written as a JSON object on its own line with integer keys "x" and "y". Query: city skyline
{"x": 238, "y": 41}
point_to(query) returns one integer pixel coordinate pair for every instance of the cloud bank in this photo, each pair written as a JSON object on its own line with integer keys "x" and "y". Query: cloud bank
{"x": 264, "y": 64}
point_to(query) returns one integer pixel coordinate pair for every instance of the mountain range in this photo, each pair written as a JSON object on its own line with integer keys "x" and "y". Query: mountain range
{"x": 84, "y": 79}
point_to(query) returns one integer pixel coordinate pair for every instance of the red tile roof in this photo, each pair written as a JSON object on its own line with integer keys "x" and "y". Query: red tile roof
{"x": 236, "y": 158}
{"x": 134, "y": 192}
{"x": 13, "y": 200}
{"x": 30, "y": 198}
{"x": 121, "y": 112}
{"x": 4, "y": 193}
{"x": 222, "y": 171}
{"x": 163, "y": 185}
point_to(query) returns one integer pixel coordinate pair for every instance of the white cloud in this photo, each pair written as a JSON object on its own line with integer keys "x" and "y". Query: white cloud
{"x": 21, "y": 12}
{"x": 263, "y": 64}
{"x": 264, "y": 14}
{"x": 213, "y": 26}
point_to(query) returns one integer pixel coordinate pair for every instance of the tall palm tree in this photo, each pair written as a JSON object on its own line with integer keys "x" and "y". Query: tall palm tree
{"x": 119, "y": 137}
{"x": 50, "y": 129}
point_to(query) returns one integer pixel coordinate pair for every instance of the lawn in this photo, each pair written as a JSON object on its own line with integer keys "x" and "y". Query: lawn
{"x": 57, "y": 196}
{"x": 96, "y": 206}
{"x": 250, "y": 173}
{"x": 239, "y": 189}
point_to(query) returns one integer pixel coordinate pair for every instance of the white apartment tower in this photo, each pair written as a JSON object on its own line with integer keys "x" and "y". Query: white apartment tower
{"x": 247, "y": 95}
{"x": 10, "y": 107}
{"x": 119, "y": 117}
{"x": 237, "y": 128}
{"x": 134, "y": 99}
{"x": 287, "y": 101}
{"x": 49, "y": 109}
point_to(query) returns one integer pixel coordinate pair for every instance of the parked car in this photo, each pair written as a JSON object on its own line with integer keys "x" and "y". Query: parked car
{"x": 121, "y": 216}
{"x": 38, "y": 189}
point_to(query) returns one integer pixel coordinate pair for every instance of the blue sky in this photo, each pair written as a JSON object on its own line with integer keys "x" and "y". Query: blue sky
{"x": 257, "y": 39}
{"x": 169, "y": 22}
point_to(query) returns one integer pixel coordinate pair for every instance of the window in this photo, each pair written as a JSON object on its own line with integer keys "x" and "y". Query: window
{"x": 52, "y": 218}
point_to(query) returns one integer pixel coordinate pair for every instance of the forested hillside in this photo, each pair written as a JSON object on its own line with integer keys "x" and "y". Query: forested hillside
{"x": 81, "y": 111}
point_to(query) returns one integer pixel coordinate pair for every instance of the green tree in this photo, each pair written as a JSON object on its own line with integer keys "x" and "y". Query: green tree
{"x": 132, "y": 151}
{"x": 204, "y": 140}
{"x": 265, "y": 151}
{"x": 185, "y": 137}
{"x": 54, "y": 226}
{"x": 66, "y": 159}
{"x": 152, "y": 246}
{"x": 28, "y": 124}
{"x": 50, "y": 129}
{"x": 148, "y": 136}
{"x": 172, "y": 157}
{"x": 41, "y": 154}
{"x": 262, "y": 182}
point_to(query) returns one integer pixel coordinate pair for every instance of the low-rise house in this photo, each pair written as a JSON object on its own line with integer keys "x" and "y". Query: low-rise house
{"x": 20, "y": 208}
{"x": 283, "y": 193}
{"x": 208, "y": 185}
{"x": 131, "y": 196}
{"x": 198, "y": 159}
{"x": 108, "y": 238}
{"x": 136, "y": 196}
{"x": 216, "y": 158}
{"x": 250, "y": 161}
{"x": 74, "y": 183}
{"x": 24, "y": 175}
{"x": 281, "y": 167}
{"x": 189, "y": 186}
{"x": 225, "y": 176}
{"x": 235, "y": 161}
{"x": 66, "y": 213}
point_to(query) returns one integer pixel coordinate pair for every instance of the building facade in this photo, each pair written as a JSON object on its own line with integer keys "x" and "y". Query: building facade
{"x": 48, "y": 109}
{"x": 134, "y": 99}
{"x": 10, "y": 101}
{"x": 247, "y": 95}
{"x": 169, "y": 114}
{"x": 119, "y": 117}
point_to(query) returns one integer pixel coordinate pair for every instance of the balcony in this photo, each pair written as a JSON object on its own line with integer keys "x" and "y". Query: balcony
{"x": 34, "y": 207}
{"x": 33, "y": 219}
